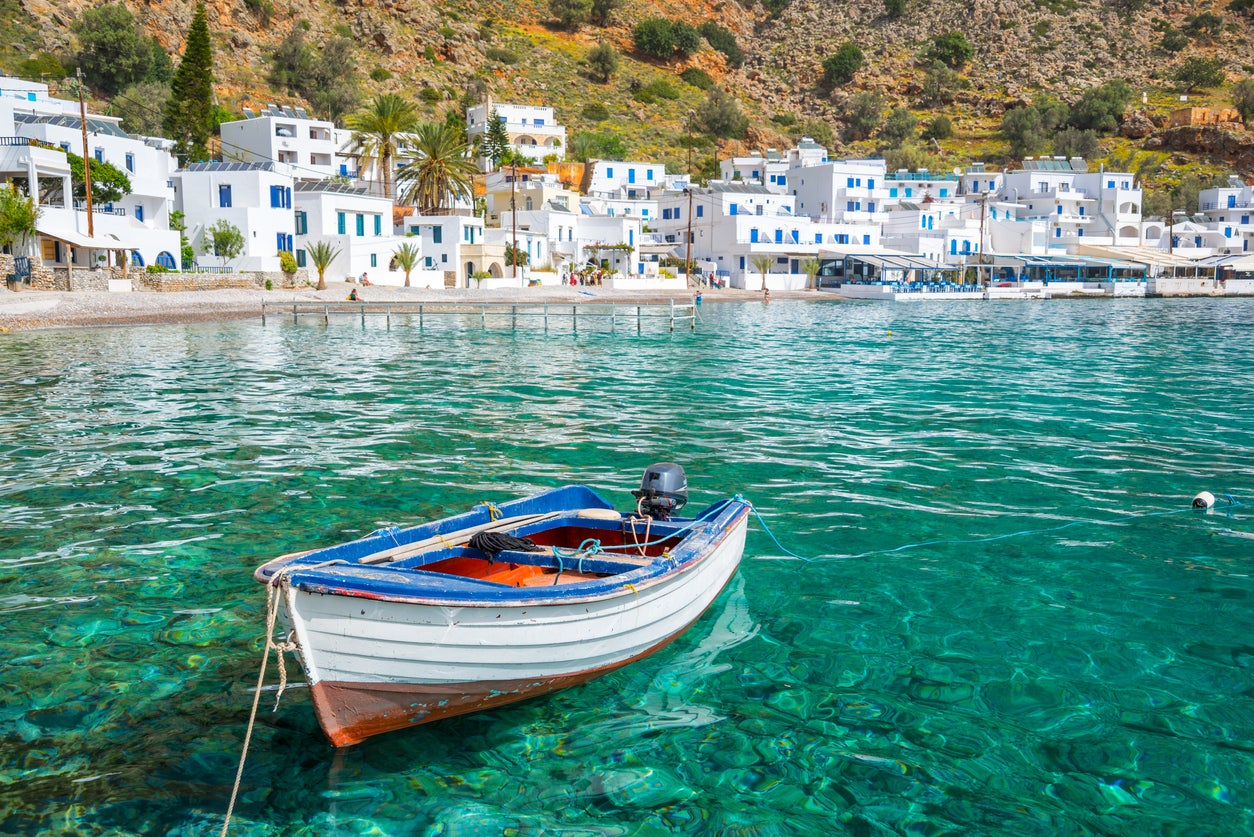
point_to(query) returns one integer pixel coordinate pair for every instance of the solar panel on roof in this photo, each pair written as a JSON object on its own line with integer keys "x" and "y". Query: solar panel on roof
{"x": 302, "y": 113}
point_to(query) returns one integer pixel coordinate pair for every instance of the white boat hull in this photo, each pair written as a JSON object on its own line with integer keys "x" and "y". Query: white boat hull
{"x": 376, "y": 665}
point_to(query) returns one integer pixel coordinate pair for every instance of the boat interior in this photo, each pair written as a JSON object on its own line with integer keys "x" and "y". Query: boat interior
{"x": 634, "y": 545}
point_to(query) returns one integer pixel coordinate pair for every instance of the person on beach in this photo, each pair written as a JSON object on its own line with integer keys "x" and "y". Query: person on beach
{"x": 352, "y": 295}
{"x": 766, "y": 294}
{"x": 365, "y": 280}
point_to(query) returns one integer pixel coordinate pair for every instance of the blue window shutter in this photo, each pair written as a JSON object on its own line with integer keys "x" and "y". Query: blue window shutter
{"x": 742, "y": 262}
{"x": 779, "y": 236}
{"x": 361, "y": 224}
{"x": 700, "y": 211}
{"x": 378, "y": 225}
{"x": 341, "y": 223}
{"x": 437, "y": 235}
{"x": 139, "y": 212}
{"x": 224, "y": 195}
{"x": 866, "y": 239}
{"x": 282, "y": 240}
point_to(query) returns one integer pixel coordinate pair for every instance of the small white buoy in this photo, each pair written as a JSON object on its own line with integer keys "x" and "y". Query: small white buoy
{"x": 1204, "y": 500}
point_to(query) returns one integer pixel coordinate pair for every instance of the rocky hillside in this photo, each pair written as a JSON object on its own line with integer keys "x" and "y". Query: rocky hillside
{"x": 1021, "y": 50}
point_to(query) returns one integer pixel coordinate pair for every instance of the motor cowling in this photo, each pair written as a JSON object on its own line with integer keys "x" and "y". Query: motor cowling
{"x": 663, "y": 490}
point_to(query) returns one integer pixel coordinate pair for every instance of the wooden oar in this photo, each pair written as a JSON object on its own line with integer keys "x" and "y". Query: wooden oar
{"x": 458, "y": 538}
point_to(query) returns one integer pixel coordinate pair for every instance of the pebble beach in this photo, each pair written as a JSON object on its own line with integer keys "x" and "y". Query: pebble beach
{"x": 30, "y": 310}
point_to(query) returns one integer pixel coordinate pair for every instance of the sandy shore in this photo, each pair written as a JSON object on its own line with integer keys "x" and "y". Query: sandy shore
{"x": 30, "y": 310}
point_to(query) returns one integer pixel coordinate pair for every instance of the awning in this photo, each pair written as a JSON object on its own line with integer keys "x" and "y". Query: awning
{"x": 78, "y": 239}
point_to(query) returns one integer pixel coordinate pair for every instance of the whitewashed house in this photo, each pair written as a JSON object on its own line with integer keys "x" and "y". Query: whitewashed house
{"x": 1229, "y": 210}
{"x": 311, "y": 148}
{"x": 40, "y": 131}
{"x": 533, "y": 130}
{"x": 453, "y": 245}
{"x": 355, "y": 222}
{"x": 255, "y": 198}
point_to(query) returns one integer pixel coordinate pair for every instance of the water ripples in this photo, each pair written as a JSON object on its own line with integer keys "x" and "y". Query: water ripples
{"x": 1054, "y": 653}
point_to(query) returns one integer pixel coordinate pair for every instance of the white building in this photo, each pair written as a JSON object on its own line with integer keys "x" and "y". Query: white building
{"x": 356, "y": 223}
{"x": 138, "y": 222}
{"x": 1230, "y": 211}
{"x": 533, "y": 130}
{"x": 729, "y": 224}
{"x": 256, "y": 198}
{"x": 310, "y": 147}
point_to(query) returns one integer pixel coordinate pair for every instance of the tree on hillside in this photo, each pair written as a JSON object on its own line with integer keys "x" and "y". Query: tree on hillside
{"x": 941, "y": 85}
{"x": 1243, "y": 99}
{"x": 899, "y": 126}
{"x": 332, "y": 84}
{"x": 719, "y": 114}
{"x": 377, "y": 129}
{"x": 326, "y": 79}
{"x": 602, "y": 61}
{"x": 1073, "y": 142}
{"x": 951, "y": 49}
{"x": 601, "y": 11}
{"x": 654, "y": 36}
{"x": 863, "y": 114}
{"x": 894, "y": 8}
{"x": 114, "y": 52}
{"x": 1028, "y": 129}
{"x": 438, "y": 171}
{"x": 189, "y": 110}
{"x": 840, "y": 67}
{"x": 687, "y": 38}
{"x": 1100, "y": 108}
{"x": 571, "y": 14}
{"x": 134, "y": 106}
{"x": 723, "y": 40}
{"x": 1199, "y": 73}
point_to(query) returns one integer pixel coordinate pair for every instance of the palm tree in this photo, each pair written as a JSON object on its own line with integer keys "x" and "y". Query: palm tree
{"x": 321, "y": 253}
{"x": 763, "y": 264}
{"x": 810, "y": 267}
{"x": 439, "y": 171}
{"x": 378, "y": 129}
{"x": 406, "y": 256}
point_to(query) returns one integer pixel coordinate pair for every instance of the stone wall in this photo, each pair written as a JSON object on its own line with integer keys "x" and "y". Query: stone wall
{"x": 217, "y": 281}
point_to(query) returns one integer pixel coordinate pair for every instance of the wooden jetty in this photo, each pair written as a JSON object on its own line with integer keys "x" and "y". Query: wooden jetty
{"x": 615, "y": 314}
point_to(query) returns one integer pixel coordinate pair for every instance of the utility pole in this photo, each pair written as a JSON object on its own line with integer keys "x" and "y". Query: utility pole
{"x": 513, "y": 214}
{"x": 688, "y": 242}
{"x": 82, "y": 113}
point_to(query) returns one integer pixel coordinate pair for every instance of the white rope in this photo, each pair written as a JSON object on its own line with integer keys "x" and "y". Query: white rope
{"x": 277, "y": 585}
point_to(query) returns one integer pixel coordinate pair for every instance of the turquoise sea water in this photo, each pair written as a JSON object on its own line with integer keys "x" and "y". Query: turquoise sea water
{"x": 1070, "y": 652}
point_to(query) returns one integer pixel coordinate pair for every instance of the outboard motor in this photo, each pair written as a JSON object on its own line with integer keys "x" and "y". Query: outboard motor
{"x": 663, "y": 490}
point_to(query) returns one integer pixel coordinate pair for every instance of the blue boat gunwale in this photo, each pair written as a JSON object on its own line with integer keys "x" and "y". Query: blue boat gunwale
{"x": 405, "y": 582}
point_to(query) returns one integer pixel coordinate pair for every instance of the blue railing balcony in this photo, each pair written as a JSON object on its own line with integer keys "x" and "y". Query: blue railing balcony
{"x": 11, "y": 142}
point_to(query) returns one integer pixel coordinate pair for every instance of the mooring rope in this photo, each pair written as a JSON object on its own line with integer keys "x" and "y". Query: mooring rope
{"x": 278, "y": 586}
{"x": 1230, "y": 502}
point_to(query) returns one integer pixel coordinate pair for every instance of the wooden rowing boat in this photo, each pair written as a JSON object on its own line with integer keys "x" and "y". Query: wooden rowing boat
{"x": 407, "y": 626}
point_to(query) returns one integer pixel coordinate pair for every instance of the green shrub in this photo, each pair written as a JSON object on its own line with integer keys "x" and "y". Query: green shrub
{"x": 430, "y": 95}
{"x": 1100, "y": 108}
{"x": 939, "y": 128}
{"x": 380, "y": 74}
{"x": 602, "y": 61}
{"x": 287, "y": 261}
{"x": 697, "y": 77}
{"x": 951, "y": 49}
{"x": 655, "y": 37}
{"x": 1174, "y": 40}
{"x": 503, "y": 56}
{"x": 156, "y": 268}
{"x": 687, "y": 39}
{"x": 722, "y": 40}
{"x": 661, "y": 88}
{"x": 1197, "y": 73}
{"x": 784, "y": 119}
{"x": 894, "y": 8}
{"x": 841, "y": 67}
{"x": 899, "y": 126}
{"x": 595, "y": 112}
